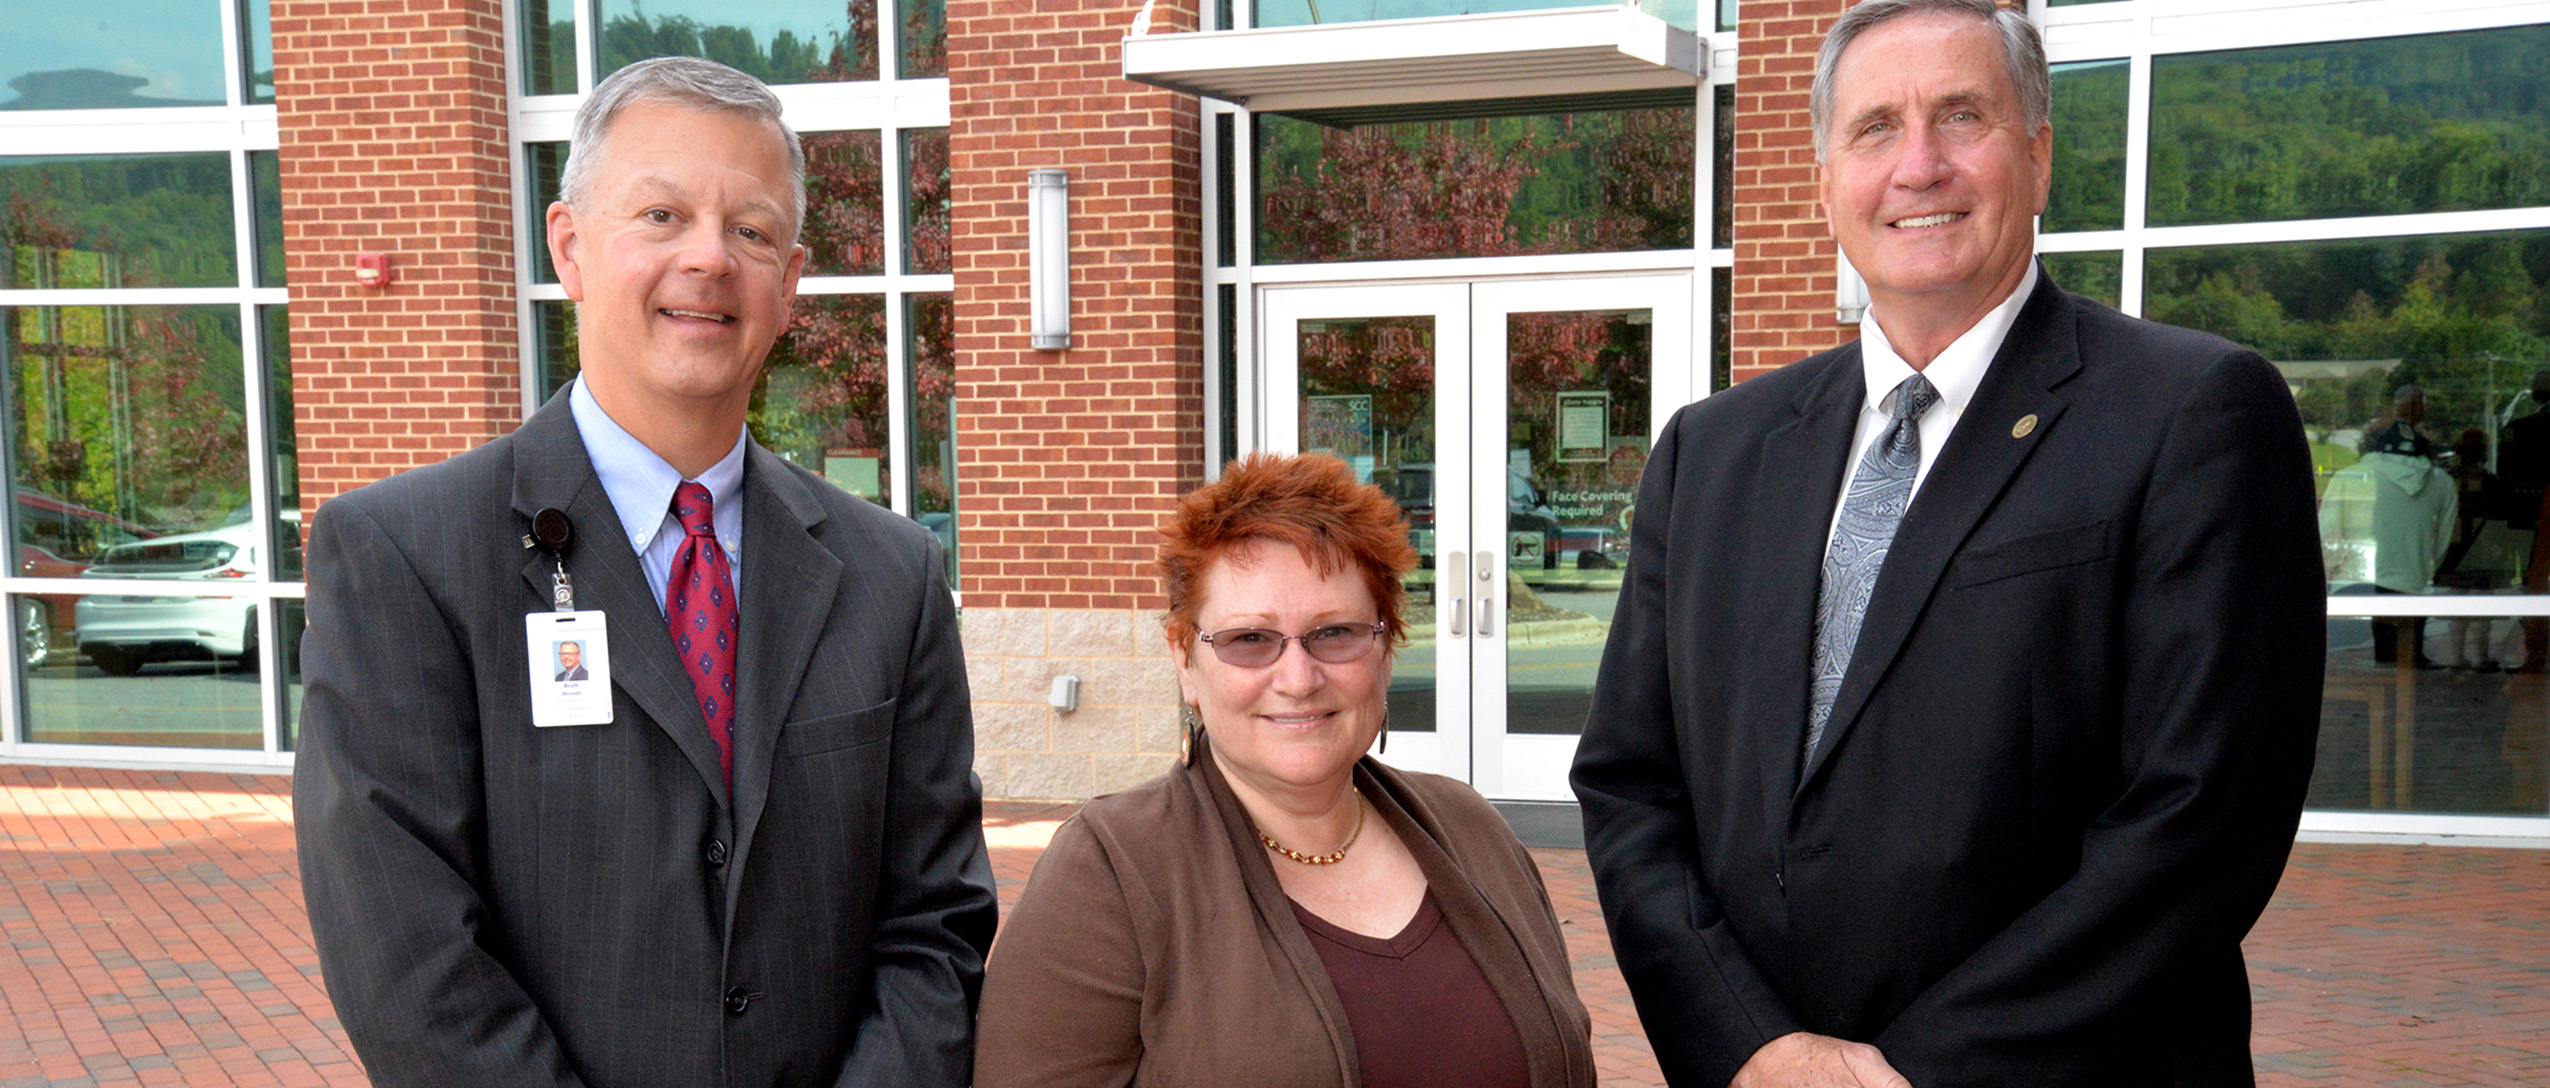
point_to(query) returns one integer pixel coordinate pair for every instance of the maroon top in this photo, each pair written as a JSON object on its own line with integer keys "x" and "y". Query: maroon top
{"x": 1421, "y": 1012}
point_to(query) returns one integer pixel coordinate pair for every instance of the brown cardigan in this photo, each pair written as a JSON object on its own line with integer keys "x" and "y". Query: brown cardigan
{"x": 1153, "y": 945}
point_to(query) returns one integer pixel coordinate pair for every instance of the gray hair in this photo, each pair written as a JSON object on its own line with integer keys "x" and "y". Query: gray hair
{"x": 2022, "y": 56}
{"x": 678, "y": 81}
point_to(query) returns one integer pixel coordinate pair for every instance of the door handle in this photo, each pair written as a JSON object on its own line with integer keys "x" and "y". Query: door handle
{"x": 1487, "y": 594}
{"x": 1456, "y": 577}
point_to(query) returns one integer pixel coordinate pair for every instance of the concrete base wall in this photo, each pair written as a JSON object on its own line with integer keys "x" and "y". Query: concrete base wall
{"x": 1126, "y": 728}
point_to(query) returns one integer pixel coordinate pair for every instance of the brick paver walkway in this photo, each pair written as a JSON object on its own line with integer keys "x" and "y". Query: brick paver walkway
{"x": 156, "y": 937}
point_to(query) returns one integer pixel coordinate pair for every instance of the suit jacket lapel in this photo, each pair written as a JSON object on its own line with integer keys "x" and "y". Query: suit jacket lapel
{"x": 1982, "y": 455}
{"x": 1795, "y": 483}
{"x": 790, "y": 584}
{"x": 552, "y": 471}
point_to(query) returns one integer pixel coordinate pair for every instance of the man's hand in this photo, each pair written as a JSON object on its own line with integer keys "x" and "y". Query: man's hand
{"x": 1804, "y": 1060}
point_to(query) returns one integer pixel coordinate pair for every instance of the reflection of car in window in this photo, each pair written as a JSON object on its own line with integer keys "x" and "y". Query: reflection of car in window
{"x": 57, "y": 539}
{"x": 1528, "y": 522}
{"x": 123, "y": 632}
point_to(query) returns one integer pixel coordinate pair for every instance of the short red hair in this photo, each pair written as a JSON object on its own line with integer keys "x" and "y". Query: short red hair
{"x": 1310, "y": 501}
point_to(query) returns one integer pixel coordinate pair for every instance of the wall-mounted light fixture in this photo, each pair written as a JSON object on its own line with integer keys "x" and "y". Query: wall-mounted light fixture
{"x": 1049, "y": 259}
{"x": 1850, "y": 293}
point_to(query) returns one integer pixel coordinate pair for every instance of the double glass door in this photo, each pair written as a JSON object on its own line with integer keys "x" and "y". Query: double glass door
{"x": 1510, "y": 421}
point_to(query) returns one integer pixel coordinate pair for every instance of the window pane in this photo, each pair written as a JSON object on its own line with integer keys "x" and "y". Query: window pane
{"x": 780, "y": 41}
{"x": 1229, "y": 410}
{"x": 2089, "y": 147}
{"x": 118, "y": 221}
{"x": 822, "y": 400}
{"x": 2069, "y": 3}
{"x": 1226, "y": 205}
{"x": 931, "y": 322}
{"x": 258, "y": 36}
{"x": 1590, "y": 182}
{"x": 924, "y": 31}
{"x": 2351, "y": 322}
{"x": 162, "y": 669}
{"x": 545, "y": 162}
{"x": 2466, "y": 738}
{"x": 845, "y": 204}
{"x": 2443, "y": 122}
{"x": 1681, "y": 13}
{"x": 2096, "y": 275}
{"x": 295, "y": 622}
{"x": 112, "y": 54}
{"x": 129, "y": 425}
{"x": 1726, "y": 14}
{"x": 1722, "y": 217}
{"x": 548, "y": 46}
{"x": 1721, "y": 329}
{"x": 265, "y": 192}
{"x": 925, "y": 237}
{"x": 282, "y": 446}
{"x": 553, "y": 330}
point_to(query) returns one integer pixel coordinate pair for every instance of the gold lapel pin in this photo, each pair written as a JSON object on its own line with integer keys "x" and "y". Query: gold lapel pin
{"x": 2025, "y": 424}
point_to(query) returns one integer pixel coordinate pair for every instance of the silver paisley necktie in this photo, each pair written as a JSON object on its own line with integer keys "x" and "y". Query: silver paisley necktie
{"x": 1871, "y": 510}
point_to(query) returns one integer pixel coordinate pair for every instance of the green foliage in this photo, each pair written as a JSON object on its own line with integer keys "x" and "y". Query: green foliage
{"x": 788, "y": 58}
{"x": 155, "y": 220}
{"x": 2443, "y": 122}
{"x": 2089, "y": 147}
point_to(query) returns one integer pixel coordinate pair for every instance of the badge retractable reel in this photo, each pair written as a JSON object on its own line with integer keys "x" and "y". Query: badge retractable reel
{"x": 568, "y": 653}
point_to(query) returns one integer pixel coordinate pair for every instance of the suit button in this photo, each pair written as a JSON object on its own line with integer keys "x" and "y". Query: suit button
{"x": 717, "y": 853}
{"x": 737, "y": 1000}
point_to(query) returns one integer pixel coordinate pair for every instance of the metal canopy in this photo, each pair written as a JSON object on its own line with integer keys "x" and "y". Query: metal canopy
{"x": 1422, "y": 69}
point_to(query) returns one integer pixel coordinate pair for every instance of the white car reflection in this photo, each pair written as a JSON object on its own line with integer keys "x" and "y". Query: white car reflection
{"x": 122, "y": 632}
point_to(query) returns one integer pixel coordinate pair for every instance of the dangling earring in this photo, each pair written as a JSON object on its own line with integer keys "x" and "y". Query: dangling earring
{"x": 1385, "y": 729}
{"x": 1188, "y": 723}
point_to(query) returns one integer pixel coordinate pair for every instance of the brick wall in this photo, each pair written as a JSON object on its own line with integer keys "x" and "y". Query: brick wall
{"x": 393, "y": 141}
{"x": 1071, "y": 459}
{"x": 1782, "y": 308}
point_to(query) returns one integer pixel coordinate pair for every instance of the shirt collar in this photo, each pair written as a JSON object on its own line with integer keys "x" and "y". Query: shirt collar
{"x": 639, "y": 482}
{"x": 1958, "y": 371}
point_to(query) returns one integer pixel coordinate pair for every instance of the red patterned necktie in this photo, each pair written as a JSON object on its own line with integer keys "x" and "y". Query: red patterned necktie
{"x": 699, "y": 606}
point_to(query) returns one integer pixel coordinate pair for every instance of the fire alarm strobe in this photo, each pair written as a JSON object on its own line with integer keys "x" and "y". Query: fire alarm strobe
{"x": 373, "y": 269}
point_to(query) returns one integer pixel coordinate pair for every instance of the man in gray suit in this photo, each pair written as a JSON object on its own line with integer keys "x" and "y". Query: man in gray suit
{"x": 765, "y": 864}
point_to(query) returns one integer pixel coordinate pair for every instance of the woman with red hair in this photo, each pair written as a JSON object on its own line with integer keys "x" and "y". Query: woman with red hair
{"x": 1280, "y": 908}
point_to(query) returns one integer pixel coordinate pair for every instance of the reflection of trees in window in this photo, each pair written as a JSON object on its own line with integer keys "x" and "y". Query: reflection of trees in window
{"x": 1390, "y": 359}
{"x": 1603, "y": 181}
{"x": 2464, "y": 315}
{"x": 818, "y": 56}
{"x": 548, "y": 46}
{"x": 2089, "y": 147}
{"x": 2443, "y": 122}
{"x": 117, "y": 221}
{"x": 924, "y": 38}
{"x": 823, "y": 394}
{"x": 138, "y": 411}
{"x": 932, "y": 326}
{"x": 2097, "y": 275}
{"x": 1551, "y": 353}
{"x": 925, "y": 177}
{"x": 845, "y": 204}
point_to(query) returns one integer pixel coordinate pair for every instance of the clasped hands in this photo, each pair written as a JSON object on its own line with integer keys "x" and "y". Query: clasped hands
{"x": 1805, "y": 1060}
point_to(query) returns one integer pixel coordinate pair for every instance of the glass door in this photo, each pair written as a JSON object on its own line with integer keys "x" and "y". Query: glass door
{"x": 1510, "y": 420}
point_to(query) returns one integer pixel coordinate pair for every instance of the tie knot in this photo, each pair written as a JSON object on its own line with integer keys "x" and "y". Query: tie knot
{"x": 691, "y": 507}
{"x": 1913, "y": 398}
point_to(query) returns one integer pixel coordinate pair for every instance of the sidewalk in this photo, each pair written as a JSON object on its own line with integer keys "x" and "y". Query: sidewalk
{"x": 156, "y": 937}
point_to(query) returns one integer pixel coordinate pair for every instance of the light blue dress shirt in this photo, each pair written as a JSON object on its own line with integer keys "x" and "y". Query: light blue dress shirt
{"x": 640, "y": 485}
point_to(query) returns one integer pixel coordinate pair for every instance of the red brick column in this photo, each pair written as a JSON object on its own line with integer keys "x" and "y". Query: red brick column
{"x": 1069, "y": 460}
{"x": 393, "y": 141}
{"x": 1782, "y": 308}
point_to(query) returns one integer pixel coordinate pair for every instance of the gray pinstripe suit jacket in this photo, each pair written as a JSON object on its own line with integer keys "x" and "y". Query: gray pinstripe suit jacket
{"x": 499, "y": 904}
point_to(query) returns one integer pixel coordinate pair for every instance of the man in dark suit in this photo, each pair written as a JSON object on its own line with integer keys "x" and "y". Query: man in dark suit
{"x": 767, "y": 866}
{"x": 1977, "y": 770}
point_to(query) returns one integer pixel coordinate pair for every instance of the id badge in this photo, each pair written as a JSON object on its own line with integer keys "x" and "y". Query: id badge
{"x": 570, "y": 662}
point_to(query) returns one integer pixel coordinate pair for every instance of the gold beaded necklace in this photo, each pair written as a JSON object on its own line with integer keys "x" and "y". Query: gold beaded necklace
{"x": 1323, "y": 859}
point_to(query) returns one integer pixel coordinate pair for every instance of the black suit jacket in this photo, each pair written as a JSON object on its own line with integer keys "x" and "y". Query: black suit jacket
{"x": 2067, "y": 760}
{"x": 500, "y": 904}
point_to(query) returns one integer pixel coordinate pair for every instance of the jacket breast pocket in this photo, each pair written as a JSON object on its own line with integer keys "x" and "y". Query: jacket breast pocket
{"x": 2053, "y": 550}
{"x": 833, "y": 733}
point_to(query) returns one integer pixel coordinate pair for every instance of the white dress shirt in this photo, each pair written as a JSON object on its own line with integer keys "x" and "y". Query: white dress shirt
{"x": 1956, "y": 374}
{"x": 640, "y": 485}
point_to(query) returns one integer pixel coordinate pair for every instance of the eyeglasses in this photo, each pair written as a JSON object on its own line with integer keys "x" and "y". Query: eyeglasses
{"x": 1257, "y": 647}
